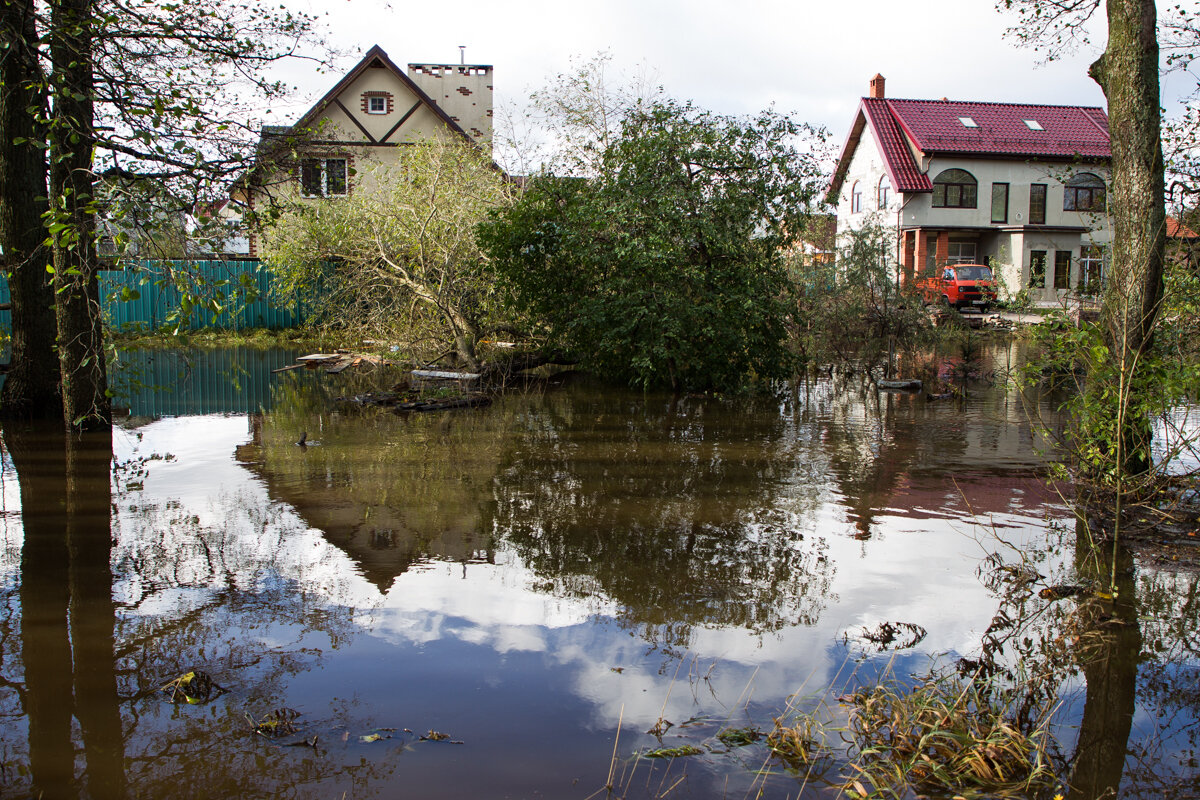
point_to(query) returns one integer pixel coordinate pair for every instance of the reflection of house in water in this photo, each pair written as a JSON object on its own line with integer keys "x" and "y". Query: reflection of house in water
{"x": 913, "y": 458}
{"x": 387, "y": 516}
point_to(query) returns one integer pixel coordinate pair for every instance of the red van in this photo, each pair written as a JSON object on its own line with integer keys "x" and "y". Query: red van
{"x": 961, "y": 285}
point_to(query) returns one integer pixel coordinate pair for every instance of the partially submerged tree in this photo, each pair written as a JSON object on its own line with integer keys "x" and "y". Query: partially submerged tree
{"x": 32, "y": 383}
{"x": 1128, "y": 72}
{"x": 667, "y": 266}
{"x": 400, "y": 255}
{"x": 140, "y": 90}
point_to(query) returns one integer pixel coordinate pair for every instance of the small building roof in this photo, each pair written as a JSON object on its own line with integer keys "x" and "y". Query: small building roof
{"x": 1177, "y": 230}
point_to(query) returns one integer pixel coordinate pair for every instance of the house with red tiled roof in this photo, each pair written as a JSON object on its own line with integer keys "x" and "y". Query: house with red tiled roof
{"x": 1019, "y": 187}
{"x": 361, "y": 126}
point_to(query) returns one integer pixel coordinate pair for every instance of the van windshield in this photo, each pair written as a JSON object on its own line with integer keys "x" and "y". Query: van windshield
{"x": 974, "y": 273}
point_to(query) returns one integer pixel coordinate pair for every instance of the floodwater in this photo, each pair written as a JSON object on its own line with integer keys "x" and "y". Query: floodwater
{"x": 545, "y": 581}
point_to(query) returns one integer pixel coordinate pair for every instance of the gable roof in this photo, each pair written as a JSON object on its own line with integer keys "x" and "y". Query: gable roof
{"x": 374, "y": 57}
{"x": 935, "y": 127}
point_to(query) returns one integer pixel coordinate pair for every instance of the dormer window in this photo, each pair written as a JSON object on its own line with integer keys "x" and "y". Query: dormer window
{"x": 967, "y": 122}
{"x": 1034, "y": 125}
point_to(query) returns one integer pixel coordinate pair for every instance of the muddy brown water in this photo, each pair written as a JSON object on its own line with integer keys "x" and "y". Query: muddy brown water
{"x": 545, "y": 581}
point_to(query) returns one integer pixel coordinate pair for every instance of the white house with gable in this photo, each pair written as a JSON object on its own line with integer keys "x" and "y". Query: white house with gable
{"x": 1019, "y": 187}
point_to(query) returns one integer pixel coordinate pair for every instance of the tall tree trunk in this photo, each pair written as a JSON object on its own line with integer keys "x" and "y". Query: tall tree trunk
{"x": 72, "y": 139}
{"x": 1128, "y": 74}
{"x": 32, "y": 385}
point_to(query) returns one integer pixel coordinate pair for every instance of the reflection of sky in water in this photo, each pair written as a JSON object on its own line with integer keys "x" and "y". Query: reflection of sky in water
{"x": 534, "y": 677}
{"x": 920, "y": 570}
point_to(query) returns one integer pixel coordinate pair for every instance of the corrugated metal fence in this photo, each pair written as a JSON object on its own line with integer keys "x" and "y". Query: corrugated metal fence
{"x": 147, "y": 295}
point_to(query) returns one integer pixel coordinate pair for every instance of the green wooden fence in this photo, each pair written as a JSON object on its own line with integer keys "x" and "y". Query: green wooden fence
{"x": 146, "y": 295}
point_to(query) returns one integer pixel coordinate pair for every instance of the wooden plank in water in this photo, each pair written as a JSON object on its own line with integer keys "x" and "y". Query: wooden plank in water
{"x": 446, "y": 375}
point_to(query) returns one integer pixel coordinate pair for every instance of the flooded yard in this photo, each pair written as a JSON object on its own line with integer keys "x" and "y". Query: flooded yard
{"x": 526, "y": 600}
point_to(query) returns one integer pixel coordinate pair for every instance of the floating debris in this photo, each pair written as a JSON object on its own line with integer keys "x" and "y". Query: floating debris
{"x": 276, "y": 723}
{"x": 1062, "y": 591}
{"x": 436, "y": 736}
{"x": 662, "y": 726}
{"x": 674, "y": 752}
{"x": 739, "y": 737}
{"x": 193, "y": 687}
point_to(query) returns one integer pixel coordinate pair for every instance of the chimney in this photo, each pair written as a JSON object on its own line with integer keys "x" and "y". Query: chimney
{"x": 877, "y": 86}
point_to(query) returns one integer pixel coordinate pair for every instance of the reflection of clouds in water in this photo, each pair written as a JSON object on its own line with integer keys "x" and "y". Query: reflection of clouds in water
{"x": 205, "y": 505}
{"x": 201, "y": 520}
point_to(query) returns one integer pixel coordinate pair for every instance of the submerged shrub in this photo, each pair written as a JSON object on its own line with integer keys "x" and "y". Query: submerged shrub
{"x": 943, "y": 735}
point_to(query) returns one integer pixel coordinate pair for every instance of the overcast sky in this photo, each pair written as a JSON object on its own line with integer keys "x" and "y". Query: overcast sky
{"x": 813, "y": 58}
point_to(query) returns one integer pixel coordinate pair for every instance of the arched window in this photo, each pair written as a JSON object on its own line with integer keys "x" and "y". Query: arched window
{"x": 955, "y": 188}
{"x": 885, "y": 192}
{"x": 856, "y": 197}
{"x": 1084, "y": 192}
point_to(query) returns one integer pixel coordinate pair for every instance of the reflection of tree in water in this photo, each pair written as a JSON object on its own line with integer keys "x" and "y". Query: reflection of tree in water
{"x": 84, "y": 679}
{"x": 684, "y": 512}
{"x": 388, "y": 490}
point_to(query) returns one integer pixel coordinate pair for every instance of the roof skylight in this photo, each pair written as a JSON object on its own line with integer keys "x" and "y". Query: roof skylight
{"x": 968, "y": 122}
{"x": 1034, "y": 125}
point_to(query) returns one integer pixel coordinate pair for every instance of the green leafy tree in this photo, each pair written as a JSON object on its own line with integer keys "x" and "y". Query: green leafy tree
{"x": 667, "y": 266}
{"x": 404, "y": 253}
{"x": 854, "y": 313}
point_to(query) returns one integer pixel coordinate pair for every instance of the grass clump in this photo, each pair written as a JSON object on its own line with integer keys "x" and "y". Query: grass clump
{"x": 944, "y": 735}
{"x": 796, "y": 743}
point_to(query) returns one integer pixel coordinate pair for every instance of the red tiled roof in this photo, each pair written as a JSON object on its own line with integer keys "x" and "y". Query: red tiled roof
{"x": 1177, "y": 230}
{"x": 1068, "y": 131}
{"x": 903, "y": 171}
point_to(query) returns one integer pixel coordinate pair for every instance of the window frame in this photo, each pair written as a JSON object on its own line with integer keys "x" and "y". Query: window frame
{"x": 376, "y": 98}
{"x": 1037, "y": 269}
{"x": 856, "y": 197}
{"x": 318, "y": 180}
{"x": 1092, "y": 258}
{"x": 1085, "y": 192}
{"x": 882, "y": 190}
{"x": 960, "y": 193}
{"x": 1002, "y": 217}
{"x": 1037, "y": 204}
{"x": 1062, "y": 269}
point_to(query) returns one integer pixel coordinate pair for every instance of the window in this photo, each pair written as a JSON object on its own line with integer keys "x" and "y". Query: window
{"x": 1091, "y": 269}
{"x": 856, "y": 197}
{"x": 1033, "y": 125}
{"x": 377, "y": 102}
{"x": 1037, "y": 269}
{"x": 1037, "y": 204}
{"x": 1062, "y": 269}
{"x": 999, "y": 202}
{"x": 961, "y": 253}
{"x": 954, "y": 188}
{"x": 323, "y": 177}
{"x": 1084, "y": 192}
{"x": 885, "y": 192}
{"x": 967, "y": 122}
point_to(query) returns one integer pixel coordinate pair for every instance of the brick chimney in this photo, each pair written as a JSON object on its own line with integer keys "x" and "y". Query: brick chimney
{"x": 877, "y": 86}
